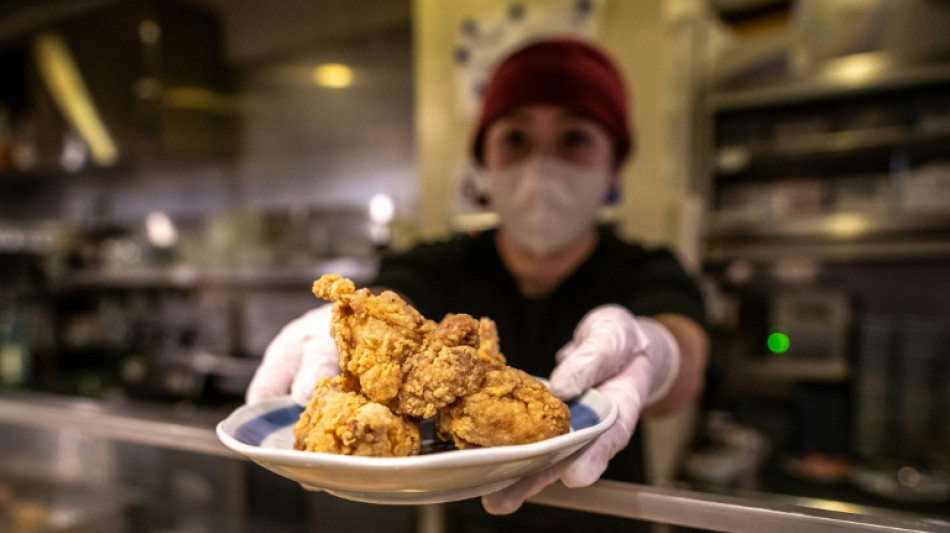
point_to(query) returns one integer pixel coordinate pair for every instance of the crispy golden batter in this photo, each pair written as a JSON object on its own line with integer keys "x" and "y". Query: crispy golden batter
{"x": 392, "y": 355}
{"x": 447, "y": 368}
{"x": 346, "y": 423}
{"x": 510, "y": 408}
{"x": 374, "y": 335}
{"x": 488, "y": 345}
{"x": 397, "y": 364}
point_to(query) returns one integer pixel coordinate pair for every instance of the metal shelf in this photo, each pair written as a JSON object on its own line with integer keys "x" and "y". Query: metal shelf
{"x": 856, "y": 149}
{"x": 835, "y": 236}
{"x": 834, "y": 226}
{"x": 185, "y": 277}
{"x": 846, "y": 76}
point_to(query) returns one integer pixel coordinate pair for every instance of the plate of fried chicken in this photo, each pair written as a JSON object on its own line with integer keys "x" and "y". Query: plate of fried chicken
{"x": 422, "y": 411}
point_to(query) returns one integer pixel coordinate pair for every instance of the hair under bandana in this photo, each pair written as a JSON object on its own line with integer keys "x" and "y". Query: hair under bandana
{"x": 564, "y": 72}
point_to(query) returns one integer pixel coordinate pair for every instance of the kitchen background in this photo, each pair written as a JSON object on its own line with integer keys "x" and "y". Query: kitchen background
{"x": 174, "y": 174}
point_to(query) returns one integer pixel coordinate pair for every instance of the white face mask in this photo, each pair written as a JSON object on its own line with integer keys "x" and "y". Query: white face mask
{"x": 546, "y": 204}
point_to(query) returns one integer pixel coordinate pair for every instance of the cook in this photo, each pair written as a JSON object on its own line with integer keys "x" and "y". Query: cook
{"x": 571, "y": 300}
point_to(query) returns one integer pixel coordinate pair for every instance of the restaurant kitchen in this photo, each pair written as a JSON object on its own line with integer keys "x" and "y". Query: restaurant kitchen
{"x": 175, "y": 174}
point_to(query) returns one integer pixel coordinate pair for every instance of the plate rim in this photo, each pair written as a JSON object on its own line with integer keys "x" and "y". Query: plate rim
{"x": 447, "y": 459}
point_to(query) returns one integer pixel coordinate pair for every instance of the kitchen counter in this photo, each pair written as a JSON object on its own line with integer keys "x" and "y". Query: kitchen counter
{"x": 174, "y": 427}
{"x": 191, "y": 429}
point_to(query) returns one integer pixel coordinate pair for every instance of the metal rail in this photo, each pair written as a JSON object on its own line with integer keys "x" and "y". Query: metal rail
{"x": 721, "y": 513}
{"x": 710, "y": 512}
{"x": 92, "y": 420}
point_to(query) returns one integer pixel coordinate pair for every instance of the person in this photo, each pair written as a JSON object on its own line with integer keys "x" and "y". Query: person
{"x": 571, "y": 300}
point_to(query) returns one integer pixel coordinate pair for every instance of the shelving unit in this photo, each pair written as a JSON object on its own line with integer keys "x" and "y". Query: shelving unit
{"x": 829, "y": 224}
{"x": 872, "y": 72}
{"x": 810, "y": 133}
{"x": 847, "y": 151}
{"x": 838, "y": 236}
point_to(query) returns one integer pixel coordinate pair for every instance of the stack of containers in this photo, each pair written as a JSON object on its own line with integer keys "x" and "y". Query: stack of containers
{"x": 872, "y": 386}
{"x": 901, "y": 399}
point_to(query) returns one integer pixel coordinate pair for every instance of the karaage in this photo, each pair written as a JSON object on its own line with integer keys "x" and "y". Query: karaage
{"x": 489, "y": 350}
{"x": 398, "y": 367}
{"x": 392, "y": 355}
{"x": 511, "y": 407}
{"x": 340, "y": 422}
{"x": 374, "y": 335}
{"x": 447, "y": 368}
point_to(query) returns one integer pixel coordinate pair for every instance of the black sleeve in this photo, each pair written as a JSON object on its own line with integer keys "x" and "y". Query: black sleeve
{"x": 423, "y": 275}
{"x": 663, "y": 286}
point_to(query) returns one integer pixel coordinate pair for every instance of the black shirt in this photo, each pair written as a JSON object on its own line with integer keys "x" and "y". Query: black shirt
{"x": 466, "y": 275}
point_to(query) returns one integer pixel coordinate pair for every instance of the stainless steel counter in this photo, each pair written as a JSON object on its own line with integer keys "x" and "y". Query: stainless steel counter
{"x": 192, "y": 430}
{"x": 175, "y": 428}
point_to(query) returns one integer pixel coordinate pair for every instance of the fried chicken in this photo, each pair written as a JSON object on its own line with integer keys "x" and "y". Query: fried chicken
{"x": 511, "y": 407}
{"x": 488, "y": 345}
{"x": 398, "y": 367}
{"x": 447, "y": 368}
{"x": 392, "y": 355}
{"x": 374, "y": 335}
{"x": 346, "y": 423}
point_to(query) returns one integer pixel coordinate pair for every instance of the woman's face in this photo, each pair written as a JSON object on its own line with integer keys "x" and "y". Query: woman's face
{"x": 546, "y": 131}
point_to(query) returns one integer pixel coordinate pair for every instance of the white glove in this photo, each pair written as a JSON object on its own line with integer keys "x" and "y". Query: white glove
{"x": 633, "y": 361}
{"x": 300, "y": 355}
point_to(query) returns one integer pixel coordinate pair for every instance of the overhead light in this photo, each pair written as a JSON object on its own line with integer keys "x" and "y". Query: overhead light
{"x": 381, "y": 209}
{"x": 856, "y": 69}
{"x": 848, "y": 225}
{"x": 333, "y": 75}
{"x": 160, "y": 230}
{"x": 74, "y": 154}
{"x": 69, "y": 92}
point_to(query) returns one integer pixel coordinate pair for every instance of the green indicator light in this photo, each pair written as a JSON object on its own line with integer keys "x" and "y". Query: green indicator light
{"x": 778, "y": 342}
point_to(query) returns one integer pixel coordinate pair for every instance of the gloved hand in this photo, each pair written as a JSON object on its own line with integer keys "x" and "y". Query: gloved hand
{"x": 300, "y": 355}
{"x": 633, "y": 361}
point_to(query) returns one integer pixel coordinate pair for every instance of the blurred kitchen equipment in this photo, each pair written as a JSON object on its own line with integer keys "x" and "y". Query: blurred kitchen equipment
{"x": 901, "y": 398}
{"x": 729, "y": 455}
{"x": 926, "y": 189}
{"x": 810, "y": 326}
{"x": 908, "y": 30}
{"x": 904, "y": 482}
{"x": 196, "y": 377}
{"x": 825, "y": 30}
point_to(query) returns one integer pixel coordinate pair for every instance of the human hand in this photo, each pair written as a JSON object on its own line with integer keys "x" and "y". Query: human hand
{"x": 633, "y": 361}
{"x": 300, "y": 355}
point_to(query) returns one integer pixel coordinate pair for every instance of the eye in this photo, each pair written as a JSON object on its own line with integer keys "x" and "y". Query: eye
{"x": 514, "y": 139}
{"x": 575, "y": 138}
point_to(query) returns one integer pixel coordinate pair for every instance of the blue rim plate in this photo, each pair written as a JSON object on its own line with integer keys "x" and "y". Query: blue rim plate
{"x": 263, "y": 432}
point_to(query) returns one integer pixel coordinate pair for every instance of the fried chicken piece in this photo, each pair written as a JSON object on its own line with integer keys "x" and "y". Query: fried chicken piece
{"x": 374, "y": 335}
{"x": 488, "y": 344}
{"x": 447, "y": 368}
{"x": 340, "y": 422}
{"x": 511, "y": 407}
{"x": 392, "y": 355}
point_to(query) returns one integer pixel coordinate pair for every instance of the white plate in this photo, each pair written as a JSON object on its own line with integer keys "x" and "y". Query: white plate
{"x": 263, "y": 433}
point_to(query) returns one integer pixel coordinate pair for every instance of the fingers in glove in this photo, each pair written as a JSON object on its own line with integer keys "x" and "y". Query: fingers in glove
{"x": 509, "y": 499}
{"x": 606, "y": 339}
{"x": 278, "y": 367}
{"x": 626, "y": 390}
{"x": 586, "y": 466}
{"x": 320, "y": 360}
{"x": 584, "y": 366}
